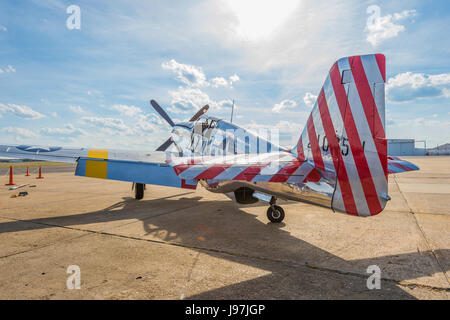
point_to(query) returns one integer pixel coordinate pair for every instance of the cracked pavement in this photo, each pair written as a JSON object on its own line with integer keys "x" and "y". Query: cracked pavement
{"x": 179, "y": 244}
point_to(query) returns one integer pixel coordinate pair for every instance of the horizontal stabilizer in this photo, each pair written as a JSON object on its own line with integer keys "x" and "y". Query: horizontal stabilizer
{"x": 397, "y": 165}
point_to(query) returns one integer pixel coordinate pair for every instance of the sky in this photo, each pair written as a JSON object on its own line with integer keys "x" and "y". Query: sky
{"x": 85, "y": 80}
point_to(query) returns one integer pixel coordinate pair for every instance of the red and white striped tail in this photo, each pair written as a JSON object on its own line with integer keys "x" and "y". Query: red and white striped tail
{"x": 345, "y": 133}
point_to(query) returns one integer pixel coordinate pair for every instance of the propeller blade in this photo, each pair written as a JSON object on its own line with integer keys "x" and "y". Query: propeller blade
{"x": 165, "y": 145}
{"x": 199, "y": 113}
{"x": 161, "y": 112}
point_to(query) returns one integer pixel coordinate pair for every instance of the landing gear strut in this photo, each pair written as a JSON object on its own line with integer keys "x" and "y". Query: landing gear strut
{"x": 275, "y": 213}
{"x": 139, "y": 190}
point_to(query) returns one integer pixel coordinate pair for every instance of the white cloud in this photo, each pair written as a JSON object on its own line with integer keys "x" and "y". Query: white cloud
{"x": 218, "y": 105}
{"x": 283, "y": 105}
{"x": 218, "y": 82}
{"x": 21, "y": 111}
{"x": 10, "y": 69}
{"x": 433, "y": 130}
{"x": 384, "y": 27}
{"x": 234, "y": 78}
{"x": 418, "y": 80}
{"x": 149, "y": 122}
{"x": 446, "y": 92}
{"x": 129, "y": 111}
{"x": 422, "y": 122}
{"x": 186, "y": 73}
{"x": 298, "y": 31}
{"x": 409, "y": 86}
{"x": 143, "y": 123}
{"x": 68, "y": 130}
{"x": 187, "y": 99}
{"x": 77, "y": 109}
{"x": 192, "y": 99}
{"x": 111, "y": 123}
{"x": 405, "y": 14}
{"x": 19, "y": 132}
{"x": 193, "y": 76}
{"x": 222, "y": 82}
{"x": 309, "y": 99}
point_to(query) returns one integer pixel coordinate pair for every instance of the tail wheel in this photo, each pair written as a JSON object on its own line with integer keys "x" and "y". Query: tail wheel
{"x": 139, "y": 191}
{"x": 275, "y": 214}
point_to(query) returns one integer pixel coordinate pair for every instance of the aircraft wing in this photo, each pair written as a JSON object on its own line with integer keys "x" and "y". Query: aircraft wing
{"x": 269, "y": 167}
{"x": 33, "y": 152}
{"x": 71, "y": 155}
{"x": 397, "y": 165}
{"x": 122, "y": 165}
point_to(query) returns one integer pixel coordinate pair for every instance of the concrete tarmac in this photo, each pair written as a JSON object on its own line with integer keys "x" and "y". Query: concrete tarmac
{"x": 185, "y": 244}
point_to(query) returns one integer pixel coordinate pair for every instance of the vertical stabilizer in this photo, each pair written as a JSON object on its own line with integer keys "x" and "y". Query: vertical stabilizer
{"x": 345, "y": 134}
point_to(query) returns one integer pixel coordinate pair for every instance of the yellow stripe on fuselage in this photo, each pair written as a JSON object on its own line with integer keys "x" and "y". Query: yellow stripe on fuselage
{"x": 97, "y": 168}
{"x": 98, "y": 153}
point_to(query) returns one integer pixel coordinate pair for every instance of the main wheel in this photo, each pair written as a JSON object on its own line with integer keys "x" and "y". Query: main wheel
{"x": 139, "y": 191}
{"x": 275, "y": 214}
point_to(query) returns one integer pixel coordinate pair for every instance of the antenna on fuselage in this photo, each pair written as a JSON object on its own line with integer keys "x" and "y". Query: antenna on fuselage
{"x": 232, "y": 110}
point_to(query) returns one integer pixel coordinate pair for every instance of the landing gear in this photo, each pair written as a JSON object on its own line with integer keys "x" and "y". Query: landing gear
{"x": 139, "y": 190}
{"x": 275, "y": 213}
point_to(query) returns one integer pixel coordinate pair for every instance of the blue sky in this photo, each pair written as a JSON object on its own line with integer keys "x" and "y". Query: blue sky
{"x": 90, "y": 87}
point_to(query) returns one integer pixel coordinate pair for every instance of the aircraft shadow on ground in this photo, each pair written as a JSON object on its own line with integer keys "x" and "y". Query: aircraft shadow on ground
{"x": 297, "y": 268}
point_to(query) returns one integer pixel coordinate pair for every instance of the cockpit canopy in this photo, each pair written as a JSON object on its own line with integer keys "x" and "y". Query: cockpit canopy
{"x": 209, "y": 136}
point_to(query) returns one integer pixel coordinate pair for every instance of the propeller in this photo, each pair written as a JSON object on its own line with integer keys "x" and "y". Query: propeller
{"x": 166, "y": 117}
{"x": 165, "y": 145}
{"x": 161, "y": 112}
{"x": 199, "y": 113}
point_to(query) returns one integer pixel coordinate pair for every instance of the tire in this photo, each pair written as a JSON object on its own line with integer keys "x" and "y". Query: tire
{"x": 139, "y": 191}
{"x": 275, "y": 214}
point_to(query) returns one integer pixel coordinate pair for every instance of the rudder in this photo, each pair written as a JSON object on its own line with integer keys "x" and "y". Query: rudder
{"x": 345, "y": 134}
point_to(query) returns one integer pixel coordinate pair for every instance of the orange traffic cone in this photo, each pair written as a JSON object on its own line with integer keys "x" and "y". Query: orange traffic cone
{"x": 28, "y": 173}
{"x": 11, "y": 182}
{"x": 40, "y": 174}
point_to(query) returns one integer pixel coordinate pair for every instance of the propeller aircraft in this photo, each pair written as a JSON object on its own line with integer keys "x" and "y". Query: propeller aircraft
{"x": 340, "y": 160}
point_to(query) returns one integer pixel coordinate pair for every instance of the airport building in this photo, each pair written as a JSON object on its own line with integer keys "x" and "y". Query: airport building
{"x": 406, "y": 147}
{"x": 442, "y": 150}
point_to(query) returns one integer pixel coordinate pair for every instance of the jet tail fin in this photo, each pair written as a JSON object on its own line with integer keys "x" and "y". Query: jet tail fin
{"x": 345, "y": 133}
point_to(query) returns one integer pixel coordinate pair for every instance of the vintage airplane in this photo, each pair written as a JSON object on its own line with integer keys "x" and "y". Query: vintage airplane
{"x": 340, "y": 160}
